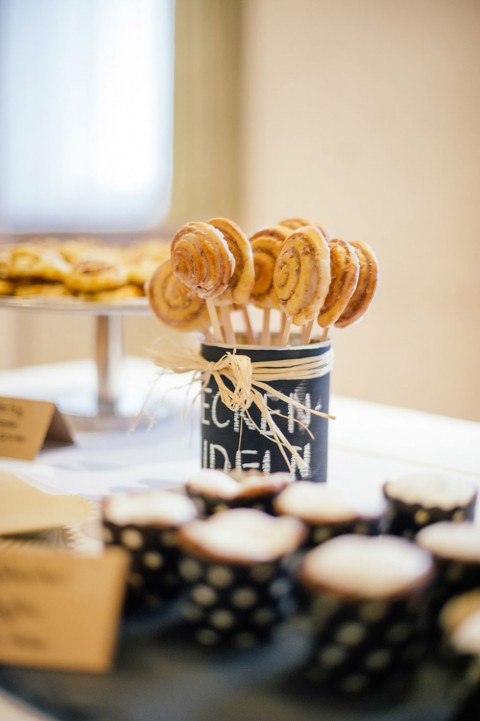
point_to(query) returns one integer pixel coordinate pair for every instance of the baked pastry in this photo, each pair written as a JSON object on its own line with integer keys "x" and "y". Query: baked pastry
{"x": 95, "y": 275}
{"x": 297, "y": 223}
{"x": 125, "y": 292}
{"x": 241, "y": 283}
{"x": 50, "y": 290}
{"x": 266, "y": 246}
{"x": 5, "y": 256}
{"x": 301, "y": 276}
{"x": 34, "y": 261}
{"x": 201, "y": 259}
{"x": 142, "y": 259}
{"x": 344, "y": 269}
{"x": 365, "y": 288}
{"x": 7, "y": 287}
{"x": 175, "y": 304}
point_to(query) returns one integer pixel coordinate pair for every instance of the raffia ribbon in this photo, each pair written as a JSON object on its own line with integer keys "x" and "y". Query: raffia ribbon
{"x": 242, "y": 382}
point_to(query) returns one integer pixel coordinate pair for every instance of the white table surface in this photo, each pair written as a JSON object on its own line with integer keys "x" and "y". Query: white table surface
{"x": 368, "y": 444}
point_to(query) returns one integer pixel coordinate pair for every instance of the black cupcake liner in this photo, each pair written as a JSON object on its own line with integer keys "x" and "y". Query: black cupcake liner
{"x": 153, "y": 576}
{"x": 407, "y": 519}
{"x": 208, "y": 505}
{"x": 360, "y": 644}
{"x": 320, "y": 532}
{"x": 237, "y": 605}
{"x": 452, "y": 578}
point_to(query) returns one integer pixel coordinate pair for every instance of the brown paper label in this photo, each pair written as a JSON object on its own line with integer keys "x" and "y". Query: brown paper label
{"x": 59, "y": 610}
{"x": 26, "y": 426}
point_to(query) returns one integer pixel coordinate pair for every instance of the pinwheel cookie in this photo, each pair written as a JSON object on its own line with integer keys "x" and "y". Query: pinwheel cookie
{"x": 345, "y": 268}
{"x": 173, "y": 303}
{"x": 366, "y": 285}
{"x": 201, "y": 259}
{"x": 94, "y": 275}
{"x": 297, "y": 223}
{"x": 243, "y": 277}
{"x": 302, "y": 274}
{"x": 266, "y": 246}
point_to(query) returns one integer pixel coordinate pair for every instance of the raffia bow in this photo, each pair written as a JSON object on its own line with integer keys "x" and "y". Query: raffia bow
{"x": 242, "y": 382}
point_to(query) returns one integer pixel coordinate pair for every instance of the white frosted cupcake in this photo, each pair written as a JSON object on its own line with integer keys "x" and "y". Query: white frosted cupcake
{"x": 367, "y": 603}
{"x": 146, "y": 524}
{"x": 456, "y": 550}
{"x": 328, "y": 511}
{"x": 214, "y": 490}
{"x": 236, "y": 565}
{"x": 417, "y": 500}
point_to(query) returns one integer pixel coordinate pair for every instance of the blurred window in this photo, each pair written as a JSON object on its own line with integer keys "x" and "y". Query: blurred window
{"x": 86, "y": 114}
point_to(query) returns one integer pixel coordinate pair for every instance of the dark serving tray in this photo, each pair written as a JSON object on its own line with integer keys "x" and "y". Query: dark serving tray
{"x": 160, "y": 674}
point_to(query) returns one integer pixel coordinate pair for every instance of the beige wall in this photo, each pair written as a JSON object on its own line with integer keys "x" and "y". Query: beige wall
{"x": 365, "y": 115}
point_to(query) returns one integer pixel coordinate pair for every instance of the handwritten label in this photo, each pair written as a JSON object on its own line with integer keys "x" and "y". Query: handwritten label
{"x": 59, "y": 610}
{"x": 26, "y": 426}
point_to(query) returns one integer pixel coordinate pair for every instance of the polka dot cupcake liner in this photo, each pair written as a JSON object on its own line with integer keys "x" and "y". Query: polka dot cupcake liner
{"x": 153, "y": 577}
{"x": 321, "y": 532}
{"x": 208, "y": 505}
{"x": 404, "y": 519}
{"x": 234, "y": 604}
{"x": 359, "y": 644}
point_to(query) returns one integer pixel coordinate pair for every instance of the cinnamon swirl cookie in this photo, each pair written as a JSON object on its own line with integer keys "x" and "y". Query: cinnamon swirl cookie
{"x": 266, "y": 246}
{"x": 201, "y": 259}
{"x": 302, "y": 274}
{"x": 175, "y": 304}
{"x": 242, "y": 280}
{"x": 344, "y": 268}
{"x": 297, "y": 223}
{"x": 366, "y": 285}
{"x": 95, "y": 275}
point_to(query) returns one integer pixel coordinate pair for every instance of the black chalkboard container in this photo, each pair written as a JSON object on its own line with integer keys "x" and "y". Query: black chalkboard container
{"x": 231, "y": 440}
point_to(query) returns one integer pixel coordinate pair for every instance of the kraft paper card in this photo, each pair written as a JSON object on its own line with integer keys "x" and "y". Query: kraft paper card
{"x": 27, "y": 509}
{"x": 59, "y": 610}
{"x": 26, "y": 426}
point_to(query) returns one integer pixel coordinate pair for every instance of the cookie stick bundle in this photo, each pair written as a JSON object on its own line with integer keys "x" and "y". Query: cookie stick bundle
{"x": 301, "y": 277}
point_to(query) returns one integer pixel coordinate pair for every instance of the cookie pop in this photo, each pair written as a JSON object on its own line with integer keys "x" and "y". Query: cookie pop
{"x": 202, "y": 261}
{"x": 302, "y": 276}
{"x": 241, "y": 283}
{"x": 173, "y": 303}
{"x": 365, "y": 288}
{"x": 344, "y": 268}
{"x": 266, "y": 245}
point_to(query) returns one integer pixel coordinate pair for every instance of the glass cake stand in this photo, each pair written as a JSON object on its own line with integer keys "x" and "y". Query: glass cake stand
{"x": 105, "y": 407}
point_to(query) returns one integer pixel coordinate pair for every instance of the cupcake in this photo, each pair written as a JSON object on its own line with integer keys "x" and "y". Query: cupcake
{"x": 327, "y": 511}
{"x": 367, "y": 601}
{"x": 455, "y": 548}
{"x": 460, "y": 621}
{"x": 146, "y": 525}
{"x": 416, "y": 501}
{"x": 214, "y": 491}
{"x": 236, "y": 564}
